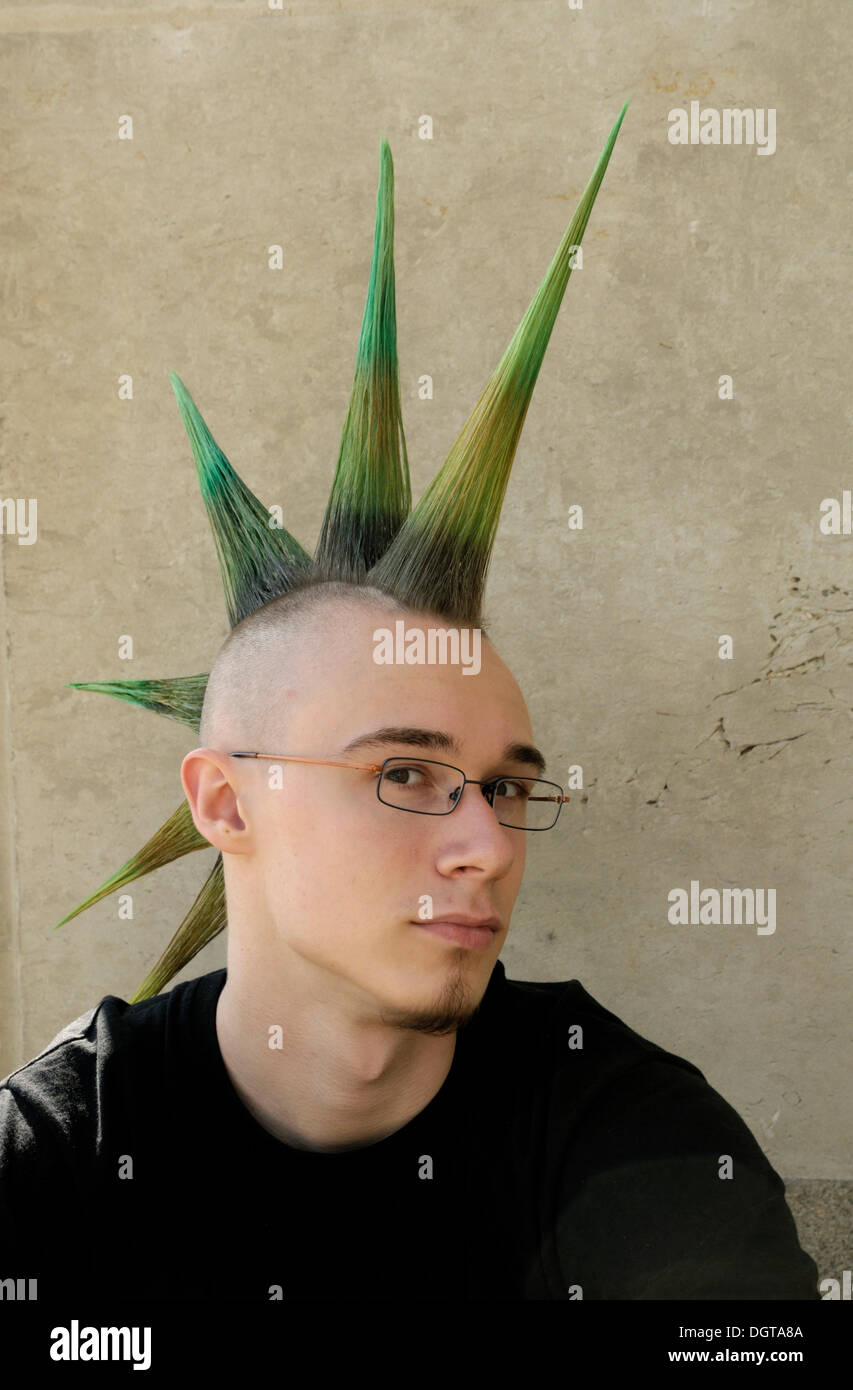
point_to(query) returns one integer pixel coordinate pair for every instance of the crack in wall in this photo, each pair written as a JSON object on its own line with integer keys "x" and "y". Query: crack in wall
{"x": 798, "y": 621}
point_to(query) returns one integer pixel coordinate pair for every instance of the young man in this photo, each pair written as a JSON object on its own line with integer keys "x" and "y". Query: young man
{"x": 362, "y": 1105}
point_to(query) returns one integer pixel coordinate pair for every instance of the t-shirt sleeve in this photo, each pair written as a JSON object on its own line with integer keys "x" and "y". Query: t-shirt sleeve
{"x": 665, "y": 1194}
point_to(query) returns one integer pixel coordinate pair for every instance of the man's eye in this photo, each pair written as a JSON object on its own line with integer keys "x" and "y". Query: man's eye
{"x": 511, "y": 790}
{"x": 401, "y": 777}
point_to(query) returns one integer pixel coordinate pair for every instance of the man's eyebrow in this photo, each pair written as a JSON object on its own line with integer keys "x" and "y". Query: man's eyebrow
{"x": 441, "y": 742}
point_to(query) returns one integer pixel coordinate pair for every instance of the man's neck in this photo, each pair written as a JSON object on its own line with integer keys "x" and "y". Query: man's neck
{"x": 330, "y": 1084}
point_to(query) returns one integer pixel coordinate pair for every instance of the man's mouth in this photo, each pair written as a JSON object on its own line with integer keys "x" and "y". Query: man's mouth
{"x": 463, "y": 929}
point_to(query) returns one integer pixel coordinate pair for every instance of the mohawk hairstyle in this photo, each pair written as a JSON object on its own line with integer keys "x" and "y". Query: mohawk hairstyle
{"x": 433, "y": 559}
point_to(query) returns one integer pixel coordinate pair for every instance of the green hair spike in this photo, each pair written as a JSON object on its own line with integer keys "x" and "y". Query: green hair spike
{"x": 371, "y": 494}
{"x": 440, "y": 557}
{"x": 178, "y": 697}
{"x": 257, "y": 561}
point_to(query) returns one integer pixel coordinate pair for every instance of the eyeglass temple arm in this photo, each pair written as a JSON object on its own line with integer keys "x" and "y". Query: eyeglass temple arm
{"x": 319, "y": 762}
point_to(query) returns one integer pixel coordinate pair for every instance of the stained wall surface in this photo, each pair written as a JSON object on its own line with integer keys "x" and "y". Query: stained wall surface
{"x": 689, "y": 648}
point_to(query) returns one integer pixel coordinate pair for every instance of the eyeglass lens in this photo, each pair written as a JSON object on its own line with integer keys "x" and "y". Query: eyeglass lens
{"x": 433, "y": 789}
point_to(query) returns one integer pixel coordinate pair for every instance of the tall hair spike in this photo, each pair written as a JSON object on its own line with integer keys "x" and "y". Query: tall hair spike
{"x": 257, "y": 562}
{"x": 371, "y": 493}
{"x": 440, "y": 557}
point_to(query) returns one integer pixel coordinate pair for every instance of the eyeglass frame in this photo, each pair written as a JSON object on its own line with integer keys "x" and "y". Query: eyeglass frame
{"x": 398, "y": 757}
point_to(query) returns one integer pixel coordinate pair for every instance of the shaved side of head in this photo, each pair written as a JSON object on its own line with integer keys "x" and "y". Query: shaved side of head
{"x": 242, "y": 707}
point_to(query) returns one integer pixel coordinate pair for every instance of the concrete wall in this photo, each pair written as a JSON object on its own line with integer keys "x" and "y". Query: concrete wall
{"x": 702, "y": 515}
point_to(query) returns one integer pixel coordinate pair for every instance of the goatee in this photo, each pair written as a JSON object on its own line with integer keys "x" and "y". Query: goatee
{"x": 451, "y": 1012}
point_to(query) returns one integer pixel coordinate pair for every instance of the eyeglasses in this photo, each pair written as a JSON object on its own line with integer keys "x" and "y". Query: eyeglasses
{"x": 425, "y": 787}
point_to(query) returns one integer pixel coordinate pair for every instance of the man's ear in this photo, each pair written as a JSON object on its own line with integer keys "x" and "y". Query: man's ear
{"x": 210, "y": 785}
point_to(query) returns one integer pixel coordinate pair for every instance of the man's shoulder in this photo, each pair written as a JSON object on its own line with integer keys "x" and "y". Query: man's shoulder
{"x": 62, "y": 1079}
{"x": 579, "y": 1035}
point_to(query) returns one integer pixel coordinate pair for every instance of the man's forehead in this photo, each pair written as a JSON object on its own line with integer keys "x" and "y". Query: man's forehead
{"x": 441, "y": 719}
{"x": 336, "y": 687}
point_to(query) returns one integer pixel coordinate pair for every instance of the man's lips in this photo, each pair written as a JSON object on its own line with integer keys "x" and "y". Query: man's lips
{"x": 463, "y": 928}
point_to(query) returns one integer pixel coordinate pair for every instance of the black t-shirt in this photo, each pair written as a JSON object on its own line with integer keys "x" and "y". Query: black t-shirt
{"x": 552, "y": 1163}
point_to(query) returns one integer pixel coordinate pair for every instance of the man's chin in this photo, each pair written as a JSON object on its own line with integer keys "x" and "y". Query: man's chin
{"x": 449, "y": 1011}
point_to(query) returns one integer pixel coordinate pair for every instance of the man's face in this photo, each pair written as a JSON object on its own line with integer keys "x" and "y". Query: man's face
{"x": 339, "y": 876}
